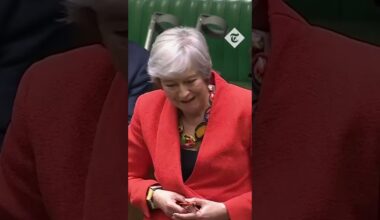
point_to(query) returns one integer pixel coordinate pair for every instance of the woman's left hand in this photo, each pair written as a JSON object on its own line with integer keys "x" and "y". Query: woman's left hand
{"x": 208, "y": 210}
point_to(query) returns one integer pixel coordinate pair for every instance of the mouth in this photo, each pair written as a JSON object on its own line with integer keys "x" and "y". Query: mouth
{"x": 187, "y": 101}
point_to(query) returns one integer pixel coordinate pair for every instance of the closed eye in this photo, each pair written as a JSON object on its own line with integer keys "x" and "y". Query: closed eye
{"x": 169, "y": 85}
{"x": 190, "y": 81}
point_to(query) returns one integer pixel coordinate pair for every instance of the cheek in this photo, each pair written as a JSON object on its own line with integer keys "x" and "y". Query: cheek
{"x": 170, "y": 95}
{"x": 201, "y": 89}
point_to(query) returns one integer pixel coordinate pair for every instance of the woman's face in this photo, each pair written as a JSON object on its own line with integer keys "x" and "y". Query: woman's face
{"x": 112, "y": 18}
{"x": 188, "y": 92}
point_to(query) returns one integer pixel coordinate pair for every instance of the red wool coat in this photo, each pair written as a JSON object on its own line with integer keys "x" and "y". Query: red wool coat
{"x": 64, "y": 156}
{"x": 317, "y": 126}
{"x": 222, "y": 170}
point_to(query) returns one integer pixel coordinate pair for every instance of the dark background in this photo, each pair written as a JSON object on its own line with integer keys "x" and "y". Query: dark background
{"x": 353, "y": 18}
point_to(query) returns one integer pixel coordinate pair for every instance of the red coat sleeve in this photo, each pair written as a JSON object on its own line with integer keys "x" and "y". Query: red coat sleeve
{"x": 240, "y": 207}
{"x": 139, "y": 164}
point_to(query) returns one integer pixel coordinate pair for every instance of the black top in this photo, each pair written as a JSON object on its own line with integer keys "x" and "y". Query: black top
{"x": 188, "y": 159}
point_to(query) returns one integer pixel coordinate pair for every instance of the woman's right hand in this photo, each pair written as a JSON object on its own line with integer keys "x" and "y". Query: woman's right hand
{"x": 168, "y": 201}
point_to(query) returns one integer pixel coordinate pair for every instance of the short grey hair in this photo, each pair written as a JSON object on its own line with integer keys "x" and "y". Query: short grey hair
{"x": 178, "y": 50}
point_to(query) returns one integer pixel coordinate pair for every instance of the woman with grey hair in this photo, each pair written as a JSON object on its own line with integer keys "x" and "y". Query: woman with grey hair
{"x": 195, "y": 132}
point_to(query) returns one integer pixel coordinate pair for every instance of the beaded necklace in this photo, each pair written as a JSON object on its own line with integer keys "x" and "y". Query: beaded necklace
{"x": 192, "y": 142}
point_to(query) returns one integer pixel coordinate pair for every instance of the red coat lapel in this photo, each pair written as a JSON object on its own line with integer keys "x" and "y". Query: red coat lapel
{"x": 170, "y": 174}
{"x": 167, "y": 155}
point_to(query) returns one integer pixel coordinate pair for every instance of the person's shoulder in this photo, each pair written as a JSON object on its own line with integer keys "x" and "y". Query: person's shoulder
{"x": 239, "y": 97}
{"x": 135, "y": 50}
{"x": 150, "y": 104}
{"x": 134, "y": 46}
{"x": 78, "y": 74}
{"x": 239, "y": 91}
{"x": 233, "y": 91}
{"x": 137, "y": 61}
{"x": 153, "y": 97}
{"x": 81, "y": 65}
{"x": 88, "y": 57}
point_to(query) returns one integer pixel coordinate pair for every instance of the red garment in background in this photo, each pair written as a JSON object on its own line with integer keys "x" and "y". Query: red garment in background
{"x": 316, "y": 131}
{"x": 62, "y": 130}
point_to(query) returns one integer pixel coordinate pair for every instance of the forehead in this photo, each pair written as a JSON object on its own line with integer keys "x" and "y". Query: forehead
{"x": 181, "y": 76}
{"x": 111, "y": 9}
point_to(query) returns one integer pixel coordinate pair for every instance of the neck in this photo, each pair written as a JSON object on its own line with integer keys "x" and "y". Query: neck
{"x": 192, "y": 118}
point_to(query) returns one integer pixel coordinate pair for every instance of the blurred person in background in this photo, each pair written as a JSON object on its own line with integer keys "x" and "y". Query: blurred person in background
{"x": 317, "y": 121}
{"x": 30, "y": 31}
{"x": 66, "y": 144}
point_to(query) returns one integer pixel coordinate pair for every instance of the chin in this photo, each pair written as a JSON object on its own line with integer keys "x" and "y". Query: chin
{"x": 193, "y": 112}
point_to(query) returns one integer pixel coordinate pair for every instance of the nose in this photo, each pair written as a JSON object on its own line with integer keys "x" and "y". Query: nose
{"x": 183, "y": 92}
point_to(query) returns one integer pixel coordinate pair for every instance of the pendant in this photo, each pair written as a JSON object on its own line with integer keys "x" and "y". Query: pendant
{"x": 188, "y": 140}
{"x": 200, "y": 131}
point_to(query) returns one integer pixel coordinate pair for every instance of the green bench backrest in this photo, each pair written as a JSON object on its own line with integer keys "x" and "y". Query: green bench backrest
{"x": 234, "y": 64}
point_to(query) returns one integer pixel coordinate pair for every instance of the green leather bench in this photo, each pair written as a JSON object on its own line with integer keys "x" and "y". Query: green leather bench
{"x": 234, "y": 64}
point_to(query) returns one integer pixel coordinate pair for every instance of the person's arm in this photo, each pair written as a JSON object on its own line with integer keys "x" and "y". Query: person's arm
{"x": 139, "y": 166}
{"x": 19, "y": 191}
{"x": 240, "y": 207}
{"x": 139, "y": 169}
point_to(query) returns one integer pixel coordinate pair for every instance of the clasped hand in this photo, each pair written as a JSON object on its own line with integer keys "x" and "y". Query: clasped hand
{"x": 178, "y": 207}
